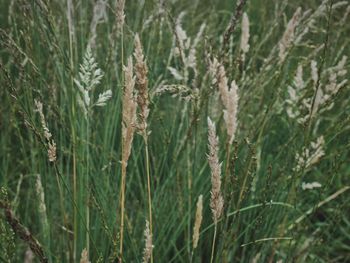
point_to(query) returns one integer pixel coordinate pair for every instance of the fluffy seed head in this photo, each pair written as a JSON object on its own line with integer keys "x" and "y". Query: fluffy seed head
{"x": 314, "y": 71}
{"x": 288, "y": 35}
{"x": 216, "y": 200}
{"x": 311, "y": 155}
{"x": 198, "y": 221}
{"x": 51, "y": 145}
{"x": 245, "y": 33}
{"x": 129, "y": 111}
{"x": 148, "y": 244}
{"x": 229, "y": 98}
{"x": 141, "y": 71}
{"x": 84, "y": 256}
{"x": 120, "y": 4}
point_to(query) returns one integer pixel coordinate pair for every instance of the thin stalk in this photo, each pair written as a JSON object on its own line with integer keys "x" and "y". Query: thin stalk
{"x": 87, "y": 184}
{"x": 122, "y": 186}
{"x": 227, "y": 166}
{"x": 213, "y": 245}
{"x": 75, "y": 213}
{"x": 190, "y": 179}
{"x": 149, "y": 192}
{"x": 75, "y": 221}
{"x": 122, "y": 201}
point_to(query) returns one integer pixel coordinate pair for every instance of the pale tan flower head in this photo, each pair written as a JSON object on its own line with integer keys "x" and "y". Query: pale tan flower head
{"x": 141, "y": 72}
{"x": 198, "y": 221}
{"x": 129, "y": 111}
{"x": 148, "y": 244}
{"x": 216, "y": 200}
{"x": 288, "y": 36}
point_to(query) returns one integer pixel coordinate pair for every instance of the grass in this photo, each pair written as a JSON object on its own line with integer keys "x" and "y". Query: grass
{"x": 269, "y": 213}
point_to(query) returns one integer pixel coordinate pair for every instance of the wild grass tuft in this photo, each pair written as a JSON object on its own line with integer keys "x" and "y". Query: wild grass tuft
{"x": 104, "y": 126}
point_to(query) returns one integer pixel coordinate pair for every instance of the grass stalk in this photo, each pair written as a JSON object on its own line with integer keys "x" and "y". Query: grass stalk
{"x": 213, "y": 244}
{"x": 87, "y": 184}
{"x": 122, "y": 203}
{"x": 122, "y": 185}
{"x": 149, "y": 191}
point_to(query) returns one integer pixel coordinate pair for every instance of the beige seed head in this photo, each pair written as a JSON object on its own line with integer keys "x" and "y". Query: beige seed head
{"x": 198, "y": 221}
{"x": 245, "y": 33}
{"x": 120, "y": 15}
{"x": 129, "y": 111}
{"x": 216, "y": 200}
{"x": 288, "y": 36}
{"x": 51, "y": 145}
{"x": 84, "y": 256}
{"x": 229, "y": 98}
{"x": 314, "y": 72}
{"x": 141, "y": 71}
{"x": 148, "y": 244}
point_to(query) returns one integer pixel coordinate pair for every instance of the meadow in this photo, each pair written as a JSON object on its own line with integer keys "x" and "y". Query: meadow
{"x": 174, "y": 131}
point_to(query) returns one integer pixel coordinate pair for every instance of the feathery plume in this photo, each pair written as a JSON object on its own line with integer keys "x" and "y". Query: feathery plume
{"x": 185, "y": 48}
{"x": 229, "y": 98}
{"x": 298, "y": 80}
{"x": 213, "y": 69}
{"x": 310, "y": 186}
{"x": 129, "y": 111}
{"x": 295, "y": 94}
{"x": 51, "y": 145}
{"x": 103, "y": 98}
{"x": 90, "y": 75}
{"x": 230, "y": 114}
{"x": 51, "y": 151}
{"x": 288, "y": 35}
{"x": 148, "y": 244}
{"x": 84, "y": 256}
{"x": 245, "y": 34}
{"x": 319, "y": 93}
{"x": 310, "y": 156}
{"x": 314, "y": 71}
{"x": 141, "y": 71}
{"x": 198, "y": 221}
{"x": 216, "y": 199}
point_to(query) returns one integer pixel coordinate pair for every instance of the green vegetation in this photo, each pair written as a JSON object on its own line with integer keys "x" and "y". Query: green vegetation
{"x": 104, "y": 142}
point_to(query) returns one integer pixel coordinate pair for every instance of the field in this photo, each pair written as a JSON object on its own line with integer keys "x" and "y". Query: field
{"x": 174, "y": 131}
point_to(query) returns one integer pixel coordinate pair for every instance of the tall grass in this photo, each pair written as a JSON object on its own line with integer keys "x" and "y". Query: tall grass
{"x": 104, "y": 147}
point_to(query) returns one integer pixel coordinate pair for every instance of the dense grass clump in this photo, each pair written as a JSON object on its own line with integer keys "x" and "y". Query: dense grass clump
{"x": 174, "y": 131}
